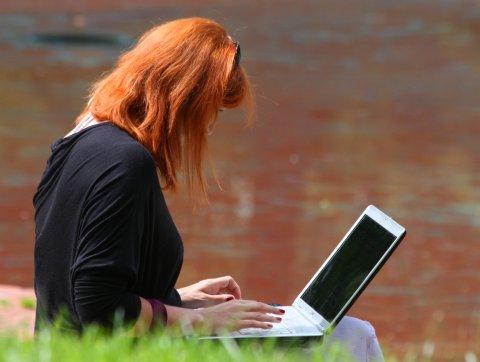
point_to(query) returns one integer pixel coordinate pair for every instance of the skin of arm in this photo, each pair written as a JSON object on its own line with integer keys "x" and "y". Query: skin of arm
{"x": 145, "y": 318}
{"x": 209, "y": 292}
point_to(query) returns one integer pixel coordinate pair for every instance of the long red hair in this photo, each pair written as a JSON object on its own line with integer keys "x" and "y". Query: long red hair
{"x": 168, "y": 89}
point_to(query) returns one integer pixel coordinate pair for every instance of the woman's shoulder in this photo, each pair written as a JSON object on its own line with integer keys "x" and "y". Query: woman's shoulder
{"x": 111, "y": 147}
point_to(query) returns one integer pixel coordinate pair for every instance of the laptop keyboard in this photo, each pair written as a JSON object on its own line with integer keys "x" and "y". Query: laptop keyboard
{"x": 259, "y": 331}
{"x": 291, "y": 323}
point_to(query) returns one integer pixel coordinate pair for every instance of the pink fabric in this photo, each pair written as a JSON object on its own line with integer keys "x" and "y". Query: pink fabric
{"x": 359, "y": 338}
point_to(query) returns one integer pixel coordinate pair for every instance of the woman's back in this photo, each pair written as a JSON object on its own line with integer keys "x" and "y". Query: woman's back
{"x": 104, "y": 235}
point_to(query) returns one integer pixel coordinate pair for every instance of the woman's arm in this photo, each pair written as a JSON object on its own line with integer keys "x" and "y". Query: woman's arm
{"x": 106, "y": 259}
{"x": 106, "y": 263}
{"x": 228, "y": 316}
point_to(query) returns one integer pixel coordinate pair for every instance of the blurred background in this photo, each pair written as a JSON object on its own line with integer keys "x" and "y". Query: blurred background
{"x": 358, "y": 102}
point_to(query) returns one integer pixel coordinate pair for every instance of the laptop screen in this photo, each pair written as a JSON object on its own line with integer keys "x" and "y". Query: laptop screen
{"x": 348, "y": 268}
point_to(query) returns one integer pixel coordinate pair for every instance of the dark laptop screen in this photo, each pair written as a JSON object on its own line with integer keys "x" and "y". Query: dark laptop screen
{"x": 347, "y": 269}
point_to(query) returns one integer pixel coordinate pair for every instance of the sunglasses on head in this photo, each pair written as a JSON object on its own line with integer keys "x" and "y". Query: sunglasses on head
{"x": 236, "y": 60}
{"x": 238, "y": 54}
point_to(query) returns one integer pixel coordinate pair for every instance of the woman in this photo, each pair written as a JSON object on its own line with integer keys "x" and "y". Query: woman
{"x": 105, "y": 241}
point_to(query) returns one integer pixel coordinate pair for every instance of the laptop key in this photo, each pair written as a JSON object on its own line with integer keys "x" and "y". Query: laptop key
{"x": 260, "y": 331}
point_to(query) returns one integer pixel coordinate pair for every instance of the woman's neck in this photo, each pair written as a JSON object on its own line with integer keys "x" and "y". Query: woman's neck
{"x": 88, "y": 120}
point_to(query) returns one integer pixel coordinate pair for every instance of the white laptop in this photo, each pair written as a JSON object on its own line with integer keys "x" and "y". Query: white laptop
{"x": 339, "y": 281}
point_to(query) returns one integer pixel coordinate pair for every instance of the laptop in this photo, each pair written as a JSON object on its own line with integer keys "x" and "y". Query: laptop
{"x": 339, "y": 281}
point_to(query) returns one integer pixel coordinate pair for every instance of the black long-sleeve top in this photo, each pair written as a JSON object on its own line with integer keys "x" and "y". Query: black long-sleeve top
{"x": 103, "y": 234}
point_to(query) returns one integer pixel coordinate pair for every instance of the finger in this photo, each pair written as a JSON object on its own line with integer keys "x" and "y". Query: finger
{"x": 254, "y": 306}
{"x": 260, "y": 317}
{"x": 229, "y": 284}
{"x": 253, "y": 324}
{"x": 217, "y": 299}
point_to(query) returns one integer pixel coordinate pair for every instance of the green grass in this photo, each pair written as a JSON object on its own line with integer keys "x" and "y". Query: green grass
{"x": 28, "y": 303}
{"x": 95, "y": 345}
{"x": 51, "y": 345}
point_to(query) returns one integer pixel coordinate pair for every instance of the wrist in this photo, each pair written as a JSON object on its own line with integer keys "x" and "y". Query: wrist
{"x": 159, "y": 313}
{"x": 180, "y": 315}
{"x": 198, "y": 317}
{"x": 182, "y": 293}
{"x": 185, "y": 292}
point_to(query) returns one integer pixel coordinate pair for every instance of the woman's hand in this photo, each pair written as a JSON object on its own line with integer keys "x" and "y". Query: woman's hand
{"x": 237, "y": 314}
{"x": 210, "y": 292}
